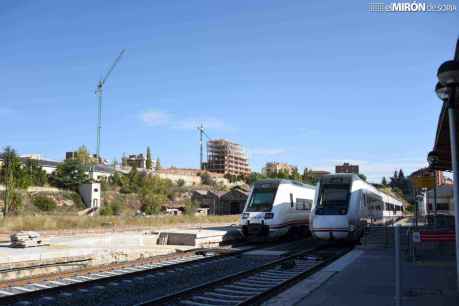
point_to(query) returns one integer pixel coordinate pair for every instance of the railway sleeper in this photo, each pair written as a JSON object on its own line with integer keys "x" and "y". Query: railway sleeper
{"x": 219, "y": 301}
{"x": 262, "y": 281}
{"x": 255, "y": 285}
{"x": 236, "y": 292}
{"x": 235, "y": 297}
{"x": 188, "y": 302}
{"x": 236, "y": 287}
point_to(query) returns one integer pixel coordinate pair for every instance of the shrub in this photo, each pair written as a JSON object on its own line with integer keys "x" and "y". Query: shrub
{"x": 117, "y": 207}
{"x": 152, "y": 202}
{"x": 206, "y": 179}
{"x": 111, "y": 209}
{"x": 44, "y": 203}
{"x": 76, "y": 199}
{"x": 190, "y": 207}
{"x": 180, "y": 182}
{"x": 106, "y": 210}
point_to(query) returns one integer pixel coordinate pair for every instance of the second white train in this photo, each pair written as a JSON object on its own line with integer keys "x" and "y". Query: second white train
{"x": 344, "y": 204}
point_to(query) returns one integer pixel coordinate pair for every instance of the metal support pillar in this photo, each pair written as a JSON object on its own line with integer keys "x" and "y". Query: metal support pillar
{"x": 455, "y": 163}
{"x": 434, "y": 202}
{"x": 416, "y": 210}
{"x": 398, "y": 283}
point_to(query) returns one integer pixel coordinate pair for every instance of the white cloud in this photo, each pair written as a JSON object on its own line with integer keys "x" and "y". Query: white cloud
{"x": 160, "y": 118}
{"x": 155, "y": 118}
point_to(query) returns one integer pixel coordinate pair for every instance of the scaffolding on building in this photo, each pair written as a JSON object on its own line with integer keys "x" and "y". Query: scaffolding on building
{"x": 226, "y": 157}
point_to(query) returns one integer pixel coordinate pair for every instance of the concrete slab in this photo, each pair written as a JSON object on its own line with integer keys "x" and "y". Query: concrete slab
{"x": 99, "y": 249}
{"x": 199, "y": 237}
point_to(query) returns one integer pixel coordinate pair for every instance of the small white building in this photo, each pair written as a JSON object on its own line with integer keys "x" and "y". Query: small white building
{"x": 90, "y": 193}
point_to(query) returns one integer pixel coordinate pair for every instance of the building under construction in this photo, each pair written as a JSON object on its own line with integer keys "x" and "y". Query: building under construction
{"x": 226, "y": 157}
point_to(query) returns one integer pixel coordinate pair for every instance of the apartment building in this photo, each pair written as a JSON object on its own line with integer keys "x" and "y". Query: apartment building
{"x": 347, "y": 168}
{"x": 275, "y": 167}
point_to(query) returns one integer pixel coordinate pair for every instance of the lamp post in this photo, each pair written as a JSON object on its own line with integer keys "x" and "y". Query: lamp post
{"x": 433, "y": 158}
{"x": 448, "y": 77}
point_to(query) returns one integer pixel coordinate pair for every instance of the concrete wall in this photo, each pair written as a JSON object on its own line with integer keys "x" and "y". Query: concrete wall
{"x": 188, "y": 179}
{"x": 38, "y": 189}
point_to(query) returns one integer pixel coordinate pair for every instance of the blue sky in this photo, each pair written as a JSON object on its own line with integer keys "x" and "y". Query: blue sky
{"x": 312, "y": 84}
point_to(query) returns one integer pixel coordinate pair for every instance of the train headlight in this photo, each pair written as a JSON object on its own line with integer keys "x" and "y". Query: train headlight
{"x": 269, "y": 215}
{"x": 245, "y": 215}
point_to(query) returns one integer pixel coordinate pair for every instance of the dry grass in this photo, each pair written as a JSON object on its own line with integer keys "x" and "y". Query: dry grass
{"x": 63, "y": 222}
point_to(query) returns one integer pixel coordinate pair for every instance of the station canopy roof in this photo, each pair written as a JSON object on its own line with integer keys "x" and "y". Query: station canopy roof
{"x": 442, "y": 140}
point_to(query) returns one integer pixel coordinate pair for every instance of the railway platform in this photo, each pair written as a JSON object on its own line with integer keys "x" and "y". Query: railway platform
{"x": 366, "y": 276}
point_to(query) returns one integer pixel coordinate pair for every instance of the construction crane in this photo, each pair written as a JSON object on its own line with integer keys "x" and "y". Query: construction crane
{"x": 99, "y": 93}
{"x": 201, "y": 133}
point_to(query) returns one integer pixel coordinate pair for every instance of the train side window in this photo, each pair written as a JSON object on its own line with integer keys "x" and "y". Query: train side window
{"x": 308, "y": 204}
{"x": 291, "y": 200}
{"x": 303, "y": 204}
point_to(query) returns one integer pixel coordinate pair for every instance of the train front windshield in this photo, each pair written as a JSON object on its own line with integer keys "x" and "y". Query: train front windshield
{"x": 333, "y": 199}
{"x": 261, "y": 200}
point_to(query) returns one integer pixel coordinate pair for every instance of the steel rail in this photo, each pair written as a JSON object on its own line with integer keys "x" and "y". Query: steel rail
{"x": 255, "y": 298}
{"x": 28, "y": 295}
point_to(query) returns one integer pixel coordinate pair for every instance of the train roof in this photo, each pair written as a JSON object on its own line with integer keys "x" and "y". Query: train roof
{"x": 277, "y": 182}
{"x": 394, "y": 199}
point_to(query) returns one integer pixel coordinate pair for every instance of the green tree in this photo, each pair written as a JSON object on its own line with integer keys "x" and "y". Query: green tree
{"x": 115, "y": 179}
{"x": 83, "y": 155}
{"x": 152, "y": 202}
{"x": 36, "y": 175}
{"x": 253, "y": 177}
{"x": 309, "y": 178}
{"x": 149, "y": 162}
{"x": 295, "y": 175}
{"x": 11, "y": 165}
{"x": 158, "y": 164}
{"x": 384, "y": 181}
{"x": 362, "y": 176}
{"x": 69, "y": 174}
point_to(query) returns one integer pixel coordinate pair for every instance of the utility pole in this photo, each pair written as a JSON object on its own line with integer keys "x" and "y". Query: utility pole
{"x": 99, "y": 93}
{"x": 201, "y": 130}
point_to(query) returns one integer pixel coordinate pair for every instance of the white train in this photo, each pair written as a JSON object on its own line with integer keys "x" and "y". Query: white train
{"x": 276, "y": 207}
{"x": 344, "y": 204}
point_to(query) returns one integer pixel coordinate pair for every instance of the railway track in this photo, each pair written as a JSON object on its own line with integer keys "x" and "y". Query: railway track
{"x": 65, "y": 289}
{"x": 254, "y": 286}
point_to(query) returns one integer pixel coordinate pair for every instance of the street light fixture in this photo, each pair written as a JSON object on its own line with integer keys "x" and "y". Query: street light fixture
{"x": 448, "y": 73}
{"x": 442, "y": 91}
{"x": 433, "y": 158}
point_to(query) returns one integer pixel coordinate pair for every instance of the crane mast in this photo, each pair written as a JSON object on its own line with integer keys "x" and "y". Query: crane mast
{"x": 201, "y": 133}
{"x": 99, "y": 93}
